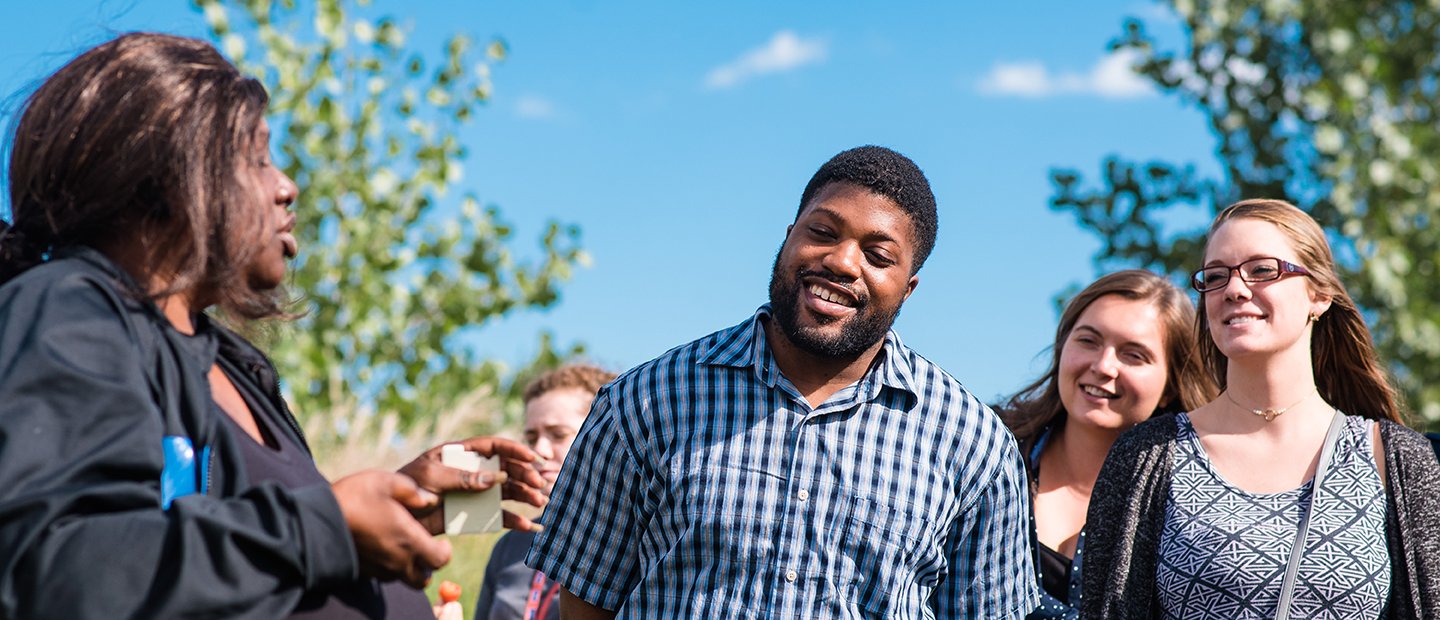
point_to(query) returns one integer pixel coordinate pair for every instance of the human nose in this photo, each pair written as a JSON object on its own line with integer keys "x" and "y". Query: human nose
{"x": 286, "y": 190}
{"x": 544, "y": 448}
{"x": 843, "y": 259}
{"x": 1105, "y": 363}
{"x": 1236, "y": 288}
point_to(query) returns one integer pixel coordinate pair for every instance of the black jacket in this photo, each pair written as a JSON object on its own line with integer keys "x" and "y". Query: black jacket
{"x": 1127, "y": 514}
{"x": 91, "y": 379}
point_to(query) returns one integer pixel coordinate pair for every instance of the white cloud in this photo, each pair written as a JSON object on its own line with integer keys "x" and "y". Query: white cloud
{"x": 1023, "y": 79}
{"x": 1115, "y": 77}
{"x": 1112, "y": 77}
{"x": 1155, "y": 13}
{"x": 786, "y": 51}
{"x": 534, "y": 107}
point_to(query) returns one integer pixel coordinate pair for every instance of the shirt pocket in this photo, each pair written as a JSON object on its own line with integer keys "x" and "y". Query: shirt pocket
{"x": 893, "y": 552}
{"x": 719, "y": 514}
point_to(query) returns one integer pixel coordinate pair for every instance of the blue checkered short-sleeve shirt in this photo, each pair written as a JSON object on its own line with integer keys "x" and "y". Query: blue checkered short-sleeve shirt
{"x": 703, "y": 485}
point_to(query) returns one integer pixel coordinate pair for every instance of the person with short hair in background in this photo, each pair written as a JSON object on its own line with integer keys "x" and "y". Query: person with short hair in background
{"x": 804, "y": 463}
{"x": 556, "y": 404}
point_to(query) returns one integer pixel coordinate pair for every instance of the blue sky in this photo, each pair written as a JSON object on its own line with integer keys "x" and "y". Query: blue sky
{"x": 678, "y": 136}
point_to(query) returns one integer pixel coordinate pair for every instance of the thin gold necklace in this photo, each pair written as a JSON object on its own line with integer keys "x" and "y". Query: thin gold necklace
{"x": 1268, "y": 414}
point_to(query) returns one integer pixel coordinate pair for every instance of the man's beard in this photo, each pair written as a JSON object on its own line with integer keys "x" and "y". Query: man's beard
{"x": 858, "y": 333}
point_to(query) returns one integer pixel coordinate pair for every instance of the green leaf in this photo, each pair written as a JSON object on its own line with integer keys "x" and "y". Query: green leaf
{"x": 1335, "y": 112}
{"x": 392, "y": 267}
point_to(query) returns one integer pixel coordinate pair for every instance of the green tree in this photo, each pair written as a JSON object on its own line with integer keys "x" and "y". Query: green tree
{"x": 390, "y": 269}
{"x": 1330, "y": 105}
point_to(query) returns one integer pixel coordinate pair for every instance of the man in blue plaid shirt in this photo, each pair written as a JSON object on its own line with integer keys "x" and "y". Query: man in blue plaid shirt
{"x": 804, "y": 463}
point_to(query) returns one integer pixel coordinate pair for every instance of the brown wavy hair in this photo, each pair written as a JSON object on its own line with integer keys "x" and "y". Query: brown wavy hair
{"x": 1187, "y": 386}
{"x": 1347, "y": 370}
{"x": 138, "y": 146}
{"x": 582, "y": 377}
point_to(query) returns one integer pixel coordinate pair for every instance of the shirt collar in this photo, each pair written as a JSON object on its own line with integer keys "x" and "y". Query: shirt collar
{"x": 745, "y": 346}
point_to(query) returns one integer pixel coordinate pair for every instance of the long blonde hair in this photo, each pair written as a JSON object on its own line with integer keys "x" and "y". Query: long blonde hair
{"x": 1348, "y": 373}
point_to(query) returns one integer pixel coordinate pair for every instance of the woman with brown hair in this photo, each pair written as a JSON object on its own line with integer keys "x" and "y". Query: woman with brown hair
{"x": 151, "y": 467}
{"x": 1123, "y": 352}
{"x": 1297, "y": 493}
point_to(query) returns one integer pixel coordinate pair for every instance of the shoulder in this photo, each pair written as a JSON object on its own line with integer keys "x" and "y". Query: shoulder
{"x": 1140, "y": 454}
{"x": 977, "y": 442}
{"x": 939, "y": 393}
{"x": 927, "y": 373}
{"x": 1156, "y": 433}
{"x": 677, "y": 368}
{"x": 70, "y": 301}
{"x": 1401, "y": 439}
{"x": 644, "y": 402}
{"x": 1409, "y": 454}
{"x": 64, "y": 283}
{"x": 1434, "y": 439}
{"x": 1413, "y": 484}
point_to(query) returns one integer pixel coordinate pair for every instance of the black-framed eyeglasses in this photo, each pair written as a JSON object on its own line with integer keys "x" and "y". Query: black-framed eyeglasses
{"x": 1262, "y": 269}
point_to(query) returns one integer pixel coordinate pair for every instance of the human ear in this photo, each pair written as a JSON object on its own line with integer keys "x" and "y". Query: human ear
{"x": 1319, "y": 303}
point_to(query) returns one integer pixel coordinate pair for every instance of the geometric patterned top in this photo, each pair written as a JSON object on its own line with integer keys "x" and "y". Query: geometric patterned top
{"x": 1223, "y": 551}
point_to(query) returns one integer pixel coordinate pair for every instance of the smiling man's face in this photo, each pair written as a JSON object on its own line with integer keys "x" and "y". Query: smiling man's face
{"x": 844, "y": 271}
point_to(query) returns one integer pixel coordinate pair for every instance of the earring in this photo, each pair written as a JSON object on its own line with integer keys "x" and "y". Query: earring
{"x": 1314, "y": 318}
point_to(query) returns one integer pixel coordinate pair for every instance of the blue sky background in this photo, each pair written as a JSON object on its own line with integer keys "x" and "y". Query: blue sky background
{"x": 678, "y": 136}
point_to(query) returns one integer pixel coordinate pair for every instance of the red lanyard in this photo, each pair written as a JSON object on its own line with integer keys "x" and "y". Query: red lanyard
{"x": 540, "y": 597}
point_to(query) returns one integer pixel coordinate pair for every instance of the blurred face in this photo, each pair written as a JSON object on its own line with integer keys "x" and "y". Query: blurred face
{"x": 273, "y": 192}
{"x": 1258, "y": 318}
{"x": 1112, "y": 366}
{"x": 551, "y": 421}
{"x": 844, "y": 271}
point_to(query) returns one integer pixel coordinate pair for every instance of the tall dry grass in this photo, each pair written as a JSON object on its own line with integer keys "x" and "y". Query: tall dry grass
{"x": 349, "y": 438}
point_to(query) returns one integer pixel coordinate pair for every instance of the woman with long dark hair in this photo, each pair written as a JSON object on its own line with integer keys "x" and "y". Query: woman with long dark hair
{"x": 1123, "y": 352}
{"x": 1297, "y": 492}
{"x": 151, "y": 468}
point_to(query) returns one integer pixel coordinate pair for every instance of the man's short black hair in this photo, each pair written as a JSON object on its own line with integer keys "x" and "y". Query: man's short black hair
{"x": 888, "y": 174}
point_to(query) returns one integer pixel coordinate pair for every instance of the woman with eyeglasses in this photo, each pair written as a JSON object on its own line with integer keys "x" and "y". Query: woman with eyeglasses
{"x": 1297, "y": 493}
{"x": 1123, "y": 352}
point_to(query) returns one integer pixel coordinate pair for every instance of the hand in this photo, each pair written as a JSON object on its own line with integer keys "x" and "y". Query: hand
{"x": 390, "y": 542}
{"x": 517, "y": 473}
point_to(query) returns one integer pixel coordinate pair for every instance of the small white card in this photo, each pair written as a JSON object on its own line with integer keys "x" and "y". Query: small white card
{"x": 471, "y": 513}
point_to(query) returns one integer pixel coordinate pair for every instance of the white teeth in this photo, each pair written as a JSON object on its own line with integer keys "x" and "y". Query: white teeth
{"x": 827, "y": 295}
{"x": 1242, "y": 319}
{"x": 1094, "y": 391}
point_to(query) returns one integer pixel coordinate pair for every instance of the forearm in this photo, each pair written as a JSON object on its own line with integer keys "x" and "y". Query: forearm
{"x": 575, "y": 608}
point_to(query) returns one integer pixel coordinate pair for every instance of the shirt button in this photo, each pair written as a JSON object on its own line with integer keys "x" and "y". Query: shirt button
{"x": 803, "y": 495}
{"x": 790, "y": 576}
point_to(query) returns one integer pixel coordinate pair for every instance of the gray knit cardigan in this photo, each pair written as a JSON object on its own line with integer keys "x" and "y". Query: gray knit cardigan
{"x": 1127, "y": 513}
